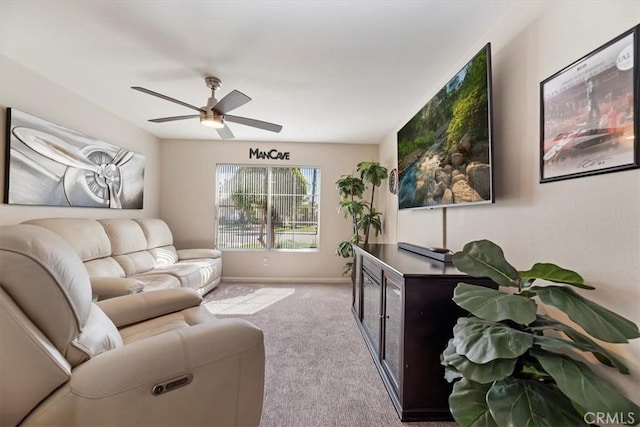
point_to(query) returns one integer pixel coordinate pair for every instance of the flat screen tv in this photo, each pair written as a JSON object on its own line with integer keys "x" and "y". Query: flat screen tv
{"x": 445, "y": 150}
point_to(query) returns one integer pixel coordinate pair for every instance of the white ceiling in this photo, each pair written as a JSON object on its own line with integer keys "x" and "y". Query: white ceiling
{"x": 328, "y": 71}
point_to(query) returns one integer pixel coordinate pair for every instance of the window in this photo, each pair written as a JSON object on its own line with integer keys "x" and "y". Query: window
{"x": 262, "y": 207}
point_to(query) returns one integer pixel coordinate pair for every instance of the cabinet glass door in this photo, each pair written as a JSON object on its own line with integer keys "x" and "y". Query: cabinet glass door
{"x": 371, "y": 307}
{"x": 357, "y": 285}
{"x": 392, "y": 328}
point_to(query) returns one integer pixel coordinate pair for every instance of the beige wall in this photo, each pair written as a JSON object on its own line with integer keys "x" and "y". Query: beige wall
{"x": 589, "y": 224}
{"x": 25, "y": 90}
{"x": 188, "y": 203}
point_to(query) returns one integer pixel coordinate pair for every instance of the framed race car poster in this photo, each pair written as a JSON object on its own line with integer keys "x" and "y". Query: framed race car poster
{"x": 589, "y": 113}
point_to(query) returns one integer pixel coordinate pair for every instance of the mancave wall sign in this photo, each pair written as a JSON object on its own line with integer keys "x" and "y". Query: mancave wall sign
{"x": 273, "y": 154}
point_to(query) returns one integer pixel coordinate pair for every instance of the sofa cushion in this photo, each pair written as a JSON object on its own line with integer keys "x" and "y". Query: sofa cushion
{"x": 163, "y": 256}
{"x": 189, "y": 275}
{"x": 154, "y": 282}
{"x": 86, "y": 236}
{"x": 135, "y": 262}
{"x": 156, "y": 231}
{"x": 125, "y": 235}
{"x": 104, "y": 267}
{"x": 209, "y": 268}
{"x": 198, "y": 253}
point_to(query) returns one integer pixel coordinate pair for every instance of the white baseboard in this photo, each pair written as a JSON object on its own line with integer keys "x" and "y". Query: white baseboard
{"x": 322, "y": 280}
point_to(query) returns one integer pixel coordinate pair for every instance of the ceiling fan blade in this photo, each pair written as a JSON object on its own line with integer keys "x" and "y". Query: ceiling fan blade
{"x": 231, "y": 101}
{"x": 166, "y": 98}
{"x": 254, "y": 123}
{"x": 171, "y": 119}
{"x": 225, "y": 133}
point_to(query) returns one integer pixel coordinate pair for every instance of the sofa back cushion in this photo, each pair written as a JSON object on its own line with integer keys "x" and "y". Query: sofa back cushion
{"x": 156, "y": 231}
{"x": 86, "y": 236}
{"x": 159, "y": 241}
{"x": 125, "y": 235}
{"x": 128, "y": 245}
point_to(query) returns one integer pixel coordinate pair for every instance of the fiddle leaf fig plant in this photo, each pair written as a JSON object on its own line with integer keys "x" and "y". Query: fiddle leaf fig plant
{"x": 512, "y": 366}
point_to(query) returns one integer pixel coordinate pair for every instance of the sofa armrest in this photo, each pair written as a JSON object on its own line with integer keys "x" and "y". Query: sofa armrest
{"x": 109, "y": 287}
{"x": 224, "y": 357}
{"x": 130, "y": 309}
{"x": 198, "y": 253}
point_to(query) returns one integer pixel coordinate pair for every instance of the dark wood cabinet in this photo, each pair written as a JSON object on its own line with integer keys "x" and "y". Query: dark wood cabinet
{"x": 403, "y": 307}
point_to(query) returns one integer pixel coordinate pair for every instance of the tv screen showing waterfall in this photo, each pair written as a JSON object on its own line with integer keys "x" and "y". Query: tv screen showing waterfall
{"x": 444, "y": 152}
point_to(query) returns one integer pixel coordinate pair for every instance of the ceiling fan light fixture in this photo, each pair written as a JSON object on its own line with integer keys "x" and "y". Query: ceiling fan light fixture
{"x": 212, "y": 122}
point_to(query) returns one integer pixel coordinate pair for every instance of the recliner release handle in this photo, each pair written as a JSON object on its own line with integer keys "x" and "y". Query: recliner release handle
{"x": 171, "y": 385}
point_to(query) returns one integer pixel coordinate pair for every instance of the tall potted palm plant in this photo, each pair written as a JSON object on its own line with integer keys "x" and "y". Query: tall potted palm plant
{"x": 371, "y": 173}
{"x": 352, "y": 204}
{"x": 350, "y": 188}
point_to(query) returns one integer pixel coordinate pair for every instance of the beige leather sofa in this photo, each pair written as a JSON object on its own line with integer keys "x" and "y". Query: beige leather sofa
{"x": 148, "y": 359}
{"x": 125, "y": 256}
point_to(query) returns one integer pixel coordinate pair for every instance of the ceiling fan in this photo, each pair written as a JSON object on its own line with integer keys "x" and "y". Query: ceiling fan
{"x": 214, "y": 114}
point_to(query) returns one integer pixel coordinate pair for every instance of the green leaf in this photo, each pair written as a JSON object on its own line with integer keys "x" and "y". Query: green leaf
{"x": 553, "y": 273}
{"x": 483, "y": 258}
{"x": 527, "y": 294}
{"x": 351, "y": 207}
{"x": 371, "y": 219}
{"x": 581, "y": 342}
{"x": 517, "y": 402}
{"x": 468, "y": 404}
{"x": 448, "y": 353}
{"x": 593, "y": 318}
{"x": 489, "y": 372}
{"x": 493, "y": 305}
{"x": 492, "y": 371}
{"x": 560, "y": 344}
{"x": 344, "y": 249}
{"x": 347, "y": 268}
{"x": 372, "y": 172}
{"x": 450, "y": 372}
{"x": 481, "y": 341}
{"x": 580, "y": 384}
{"x": 349, "y": 185}
{"x": 532, "y": 370}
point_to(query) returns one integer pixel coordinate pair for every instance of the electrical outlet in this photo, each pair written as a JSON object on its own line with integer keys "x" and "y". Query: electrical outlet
{"x": 265, "y": 261}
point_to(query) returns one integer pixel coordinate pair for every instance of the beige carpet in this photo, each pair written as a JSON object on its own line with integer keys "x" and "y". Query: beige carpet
{"x": 318, "y": 369}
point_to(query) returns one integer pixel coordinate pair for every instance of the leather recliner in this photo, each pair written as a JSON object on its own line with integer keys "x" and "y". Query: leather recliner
{"x": 156, "y": 358}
